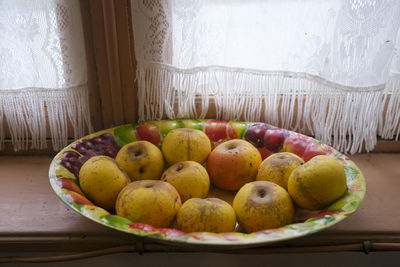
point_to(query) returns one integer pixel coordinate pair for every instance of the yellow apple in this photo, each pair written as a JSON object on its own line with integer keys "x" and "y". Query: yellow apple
{"x": 101, "y": 179}
{"x": 206, "y": 215}
{"x": 189, "y": 178}
{"x": 186, "y": 144}
{"x": 141, "y": 160}
{"x": 149, "y": 201}
{"x": 263, "y": 205}
{"x": 233, "y": 164}
{"x": 317, "y": 183}
{"x": 278, "y": 167}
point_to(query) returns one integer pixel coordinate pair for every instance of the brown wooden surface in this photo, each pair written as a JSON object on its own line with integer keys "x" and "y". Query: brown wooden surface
{"x": 109, "y": 42}
{"x": 33, "y": 218}
{"x": 96, "y": 115}
{"x": 127, "y": 59}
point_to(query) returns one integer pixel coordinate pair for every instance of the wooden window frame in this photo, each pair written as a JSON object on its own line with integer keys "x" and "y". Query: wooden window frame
{"x": 111, "y": 62}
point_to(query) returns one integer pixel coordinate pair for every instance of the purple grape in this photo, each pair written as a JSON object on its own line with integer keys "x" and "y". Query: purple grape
{"x": 82, "y": 159}
{"x": 77, "y": 146}
{"x": 72, "y": 167}
{"x": 65, "y": 162}
{"x": 100, "y": 145}
{"x": 108, "y": 137}
{"x": 89, "y": 145}
{"x": 73, "y": 161}
{"x": 70, "y": 154}
{"x": 97, "y": 140}
{"x": 109, "y": 153}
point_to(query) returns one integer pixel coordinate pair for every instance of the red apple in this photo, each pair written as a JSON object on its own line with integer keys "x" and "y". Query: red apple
{"x": 219, "y": 130}
{"x": 233, "y": 164}
{"x": 148, "y": 131}
{"x": 314, "y": 149}
{"x": 274, "y": 138}
{"x": 255, "y": 134}
{"x": 296, "y": 144}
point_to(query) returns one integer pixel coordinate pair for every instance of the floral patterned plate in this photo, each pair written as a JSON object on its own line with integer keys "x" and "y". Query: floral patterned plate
{"x": 64, "y": 172}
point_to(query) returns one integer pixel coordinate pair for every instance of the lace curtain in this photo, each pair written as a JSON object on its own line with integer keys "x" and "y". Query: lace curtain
{"x": 329, "y": 67}
{"x": 42, "y": 72}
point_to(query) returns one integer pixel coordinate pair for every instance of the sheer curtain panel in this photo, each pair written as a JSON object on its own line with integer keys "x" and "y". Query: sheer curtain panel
{"x": 327, "y": 67}
{"x": 43, "y": 73}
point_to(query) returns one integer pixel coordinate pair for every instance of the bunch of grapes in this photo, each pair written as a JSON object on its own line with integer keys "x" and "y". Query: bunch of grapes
{"x": 100, "y": 145}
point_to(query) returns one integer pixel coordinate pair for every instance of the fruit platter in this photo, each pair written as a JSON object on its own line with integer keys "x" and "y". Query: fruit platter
{"x": 207, "y": 182}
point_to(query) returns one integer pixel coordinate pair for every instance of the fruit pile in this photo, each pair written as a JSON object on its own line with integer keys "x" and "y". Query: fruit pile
{"x": 271, "y": 171}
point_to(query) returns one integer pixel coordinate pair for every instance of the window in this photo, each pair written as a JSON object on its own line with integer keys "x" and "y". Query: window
{"x": 317, "y": 66}
{"x": 43, "y": 75}
{"x": 179, "y": 76}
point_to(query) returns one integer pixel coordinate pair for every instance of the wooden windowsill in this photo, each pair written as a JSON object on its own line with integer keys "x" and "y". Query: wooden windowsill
{"x": 34, "y": 219}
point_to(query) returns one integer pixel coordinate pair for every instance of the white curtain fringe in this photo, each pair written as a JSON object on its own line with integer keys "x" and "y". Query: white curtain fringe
{"x": 389, "y": 126}
{"x": 24, "y": 111}
{"x": 346, "y": 119}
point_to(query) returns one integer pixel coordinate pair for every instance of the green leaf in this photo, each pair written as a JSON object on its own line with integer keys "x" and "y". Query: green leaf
{"x": 76, "y": 206}
{"x": 302, "y": 227}
{"x": 347, "y": 203}
{"x": 125, "y": 134}
{"x": 351, "y": 173}
{"x": 193, "y": 124}
{"x": 116, "y": 221}
{"x": 325, "y": 220}
{"x": 165, "y": 126}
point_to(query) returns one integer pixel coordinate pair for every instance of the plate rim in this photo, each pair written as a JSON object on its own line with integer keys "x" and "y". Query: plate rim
{"x": 204, "y": 239}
